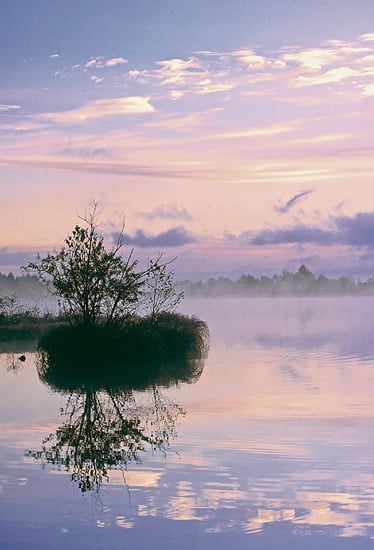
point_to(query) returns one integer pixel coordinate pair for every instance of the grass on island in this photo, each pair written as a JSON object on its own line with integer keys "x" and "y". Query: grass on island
{"x": 27, "y": 327}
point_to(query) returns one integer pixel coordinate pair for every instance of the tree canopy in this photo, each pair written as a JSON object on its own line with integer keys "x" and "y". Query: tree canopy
{"x": 94, "y": 284}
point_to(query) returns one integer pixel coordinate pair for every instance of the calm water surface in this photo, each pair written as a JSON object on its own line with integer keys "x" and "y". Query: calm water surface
{"x": 273, "y": 447}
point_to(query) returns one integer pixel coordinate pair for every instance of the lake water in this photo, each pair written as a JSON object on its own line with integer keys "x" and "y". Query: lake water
{"x": 272, "y": 448}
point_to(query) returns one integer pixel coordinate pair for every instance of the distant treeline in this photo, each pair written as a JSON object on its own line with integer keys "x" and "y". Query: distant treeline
{"x": 301, "y": 283}
{"x": 24, "y": 286}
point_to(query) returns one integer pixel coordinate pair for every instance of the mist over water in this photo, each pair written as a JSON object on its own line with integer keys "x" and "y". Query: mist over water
{"x": 273, "y": 449}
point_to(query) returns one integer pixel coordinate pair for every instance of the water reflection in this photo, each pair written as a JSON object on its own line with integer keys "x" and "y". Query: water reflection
{"x": 105, "y": 430}
{"x": 275, "y": 452}
{"x": 112, "y": 416}
{"x": 14, "y": 362}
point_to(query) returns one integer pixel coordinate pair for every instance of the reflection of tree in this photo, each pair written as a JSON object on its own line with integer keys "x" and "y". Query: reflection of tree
{"x": 14, "y": 362}
{"x": 108, "y": 429}
{"x": 115, "y": 410}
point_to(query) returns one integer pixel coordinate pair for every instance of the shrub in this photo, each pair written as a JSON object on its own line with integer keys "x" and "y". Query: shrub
{"x": 138, "y": 354}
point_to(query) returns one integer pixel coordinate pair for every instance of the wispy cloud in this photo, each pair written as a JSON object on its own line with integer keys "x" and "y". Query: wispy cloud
{"x": 100, "y": 109}
{"x": 333, "y": 76}
{"x": 192, "y": 75}
{"x": 22, "y": 126}
{"x": 100, "y": 62}
{"x": 184, "y": 123}
{"x": 253, "y": 61}
{"x": 312, "y": 58}
{"x": 96, "y": 79}
{"x": 369, "y": 37}
{"x": 252, "y": 71}
{"x": 207, "y": 86}
{"x": 178, "y": 71}
{"x": 91, "y": 63}
{"x": 86, "y": 152}
{"x": 174, "y": 237}
{"x": 367, "y": 90}
{"x": 115, "y": 61}
{"x": 4, "y": 107}
{"x": 283, "y": 208}
{"x": 257, "y": 131}
{"x": 94, "y": 166}
{"x": 168, "y": 212}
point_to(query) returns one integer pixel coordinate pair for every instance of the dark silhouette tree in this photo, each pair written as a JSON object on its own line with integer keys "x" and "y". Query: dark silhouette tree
{"x": 93, "y": 284}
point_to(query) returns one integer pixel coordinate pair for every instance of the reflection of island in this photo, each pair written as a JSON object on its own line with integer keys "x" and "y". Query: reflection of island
{"x": 104, "y": 430}
{"x": 113, "y": 415}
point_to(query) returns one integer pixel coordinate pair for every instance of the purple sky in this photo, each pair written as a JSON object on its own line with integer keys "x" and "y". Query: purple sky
{"x": 236, "y": 135}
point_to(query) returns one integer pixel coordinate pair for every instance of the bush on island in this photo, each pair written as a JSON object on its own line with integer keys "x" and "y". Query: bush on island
{"x": 137, "y": 354}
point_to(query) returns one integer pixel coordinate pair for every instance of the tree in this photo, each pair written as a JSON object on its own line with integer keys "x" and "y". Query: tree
{"x": 159, "y": 292}
{"x": 304, "y": 272}
{"x": 93, "y": 284}
{"x": 9, "y": 306}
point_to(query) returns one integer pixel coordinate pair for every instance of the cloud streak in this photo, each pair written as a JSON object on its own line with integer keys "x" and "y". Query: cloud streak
{"x": 4, "y": 107}
{"x": 168, "y": 212}
{"x": 82, "y": 164}
{"x": 101, "y": 108}
{"x": 100, "y": 63}
{"x": 284, "y": 208}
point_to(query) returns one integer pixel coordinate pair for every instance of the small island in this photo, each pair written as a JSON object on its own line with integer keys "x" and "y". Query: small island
{"x": 115, "y": 321}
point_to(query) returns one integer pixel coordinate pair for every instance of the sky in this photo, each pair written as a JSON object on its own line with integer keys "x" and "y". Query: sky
{"x": 234, "y": 135}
